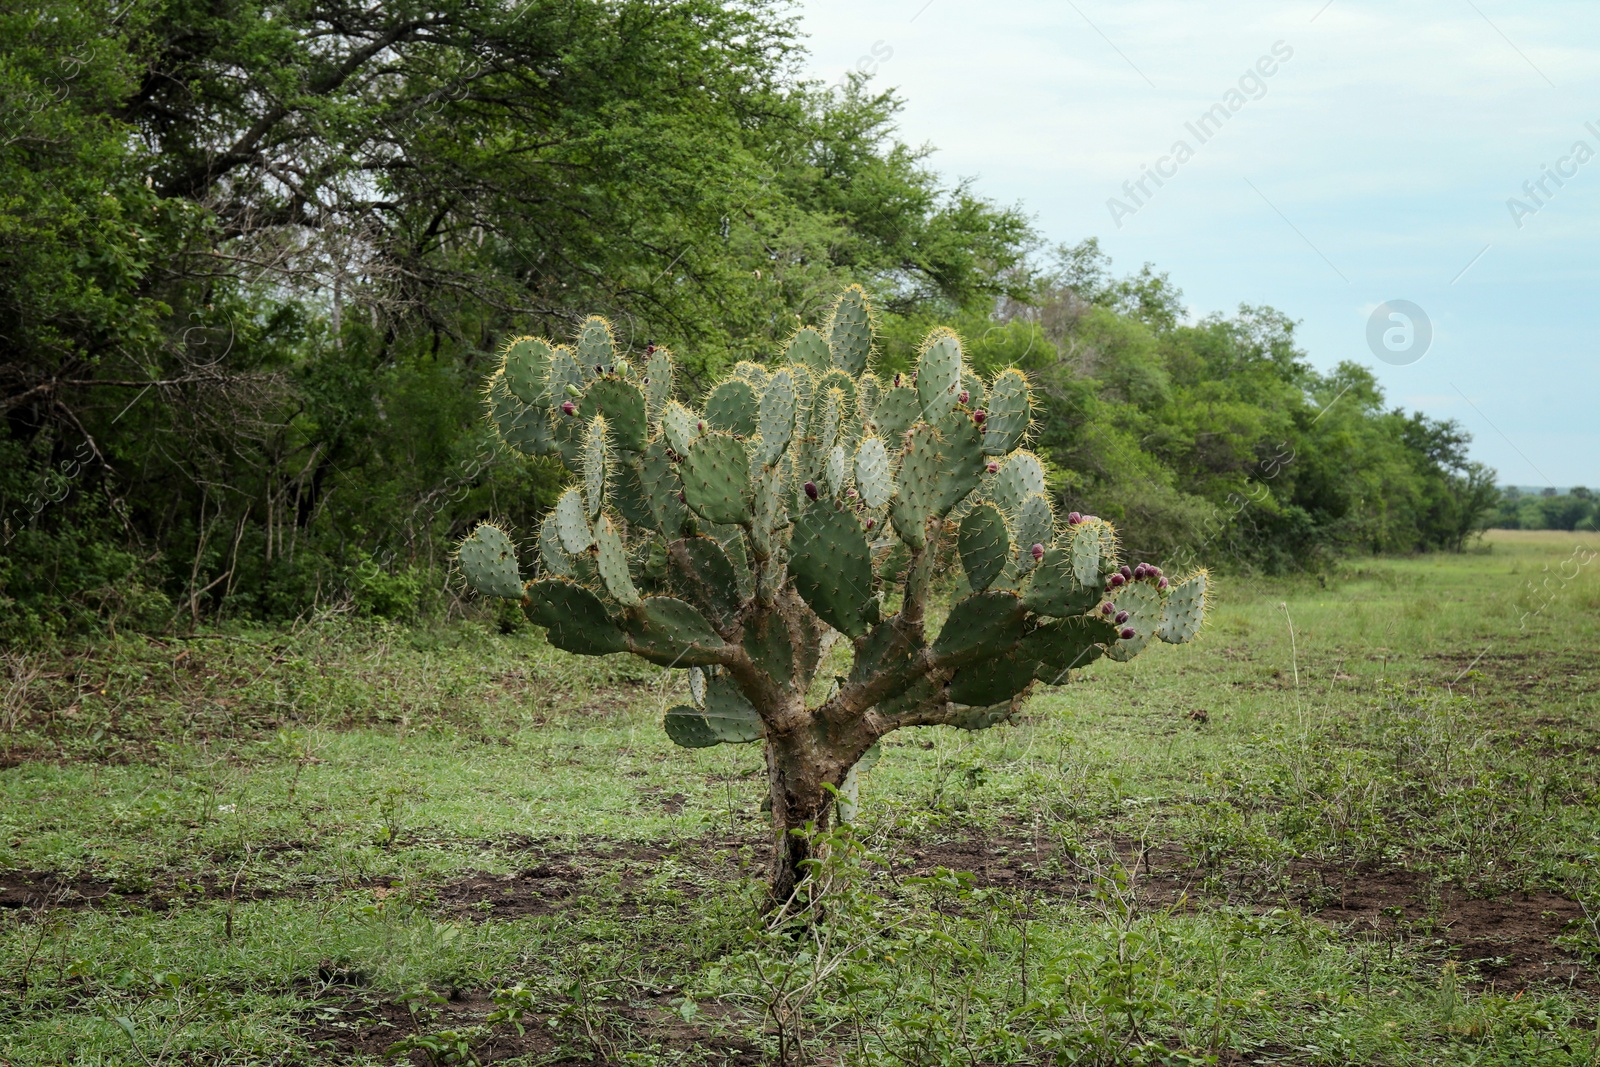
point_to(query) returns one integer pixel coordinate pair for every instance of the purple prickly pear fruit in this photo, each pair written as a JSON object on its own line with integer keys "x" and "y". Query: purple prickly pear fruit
{"x": 1117, "y": 579}
{"x": 897, "y": 379}
{"x": 649, "y": 350}
{"x": 1152, "y": 570}
{"x": 811, "y": 490}
{"x": 681, "y": 500}
{"x": 963, "y": 396}
{"x": 1107, "y": 608}
{"x": 701, "y": 426}
{"x": 1127, "y": 633}
{"x": 1122, "y": 617}
{"x": 1140, "y": 571}
{"x": 599, "y": 369}
{"x": 1162, "y": 584}
{"x": 1074, "y": 518}
{"x": 871, "y": 523}
{"x": 851, "y": 493}
{"x": 569, "y": 407}
{"x": 991, "y": 466}
{"x": 1037, "y": 552}
{"x": 978, "y": 417}
{"x": 1126, "y": 572}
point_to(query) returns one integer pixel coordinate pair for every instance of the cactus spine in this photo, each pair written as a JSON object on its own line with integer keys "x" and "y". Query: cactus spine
{"x": 775, "y": 509}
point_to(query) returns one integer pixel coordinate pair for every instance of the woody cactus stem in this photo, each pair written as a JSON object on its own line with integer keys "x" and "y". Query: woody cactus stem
{"x": 732, "y": 541}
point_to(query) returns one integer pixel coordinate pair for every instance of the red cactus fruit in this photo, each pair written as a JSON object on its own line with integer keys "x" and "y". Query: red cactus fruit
{"x": 963, "y": 396}
{"x": 1117, "y": 579}
{"x": 1107, "y": 608}
{"x": 1126, "y": 572}
{"x": 871, "y": 523}
{"x": 1037, "y": 551}
{"x": 1127, "y": 633}
{"x": 1162, "y": 584}
{"x": 1140, "y": 571}
{"x": 1074, "y": 518}
{"x": 811, "y": 490}
{"x": 1122, "y": 616}
{"x": 569, "y": 407}
{"x": 978, "y": 417}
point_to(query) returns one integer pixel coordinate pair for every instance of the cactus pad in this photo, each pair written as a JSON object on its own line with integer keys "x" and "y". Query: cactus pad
{"x": 595, "y": 347}
{"x": 874, "y": 481}
{"x": 553, "y": 559}
{"x": 623, "y": 406}
{"x": 850, "y": 332}
{"x": 984, "y": 544}
{"x": 1019, "y": 477}
{"x": 703, "y": 574}
{"x": 732, "y": 407}
{"x": 897, "y": 412}
{"x": 832, "y": 568}
{"x": 1010, "y": 412}
{"x": 1184, "y": 610}
{"x": 766, "y": 642}
{"x": 527, "y": 369}
{"x": 613, "y": 563}
{"x": 596, "y": 465}
{"x": 658, "y": 371}
{"x": 991, "y": 680}
{"x": 1143, "y": 604}
{"x": 807, "y": 348}
{"x": 777, "y": 417}
{"x": 726, "y": 719}
{"x": 572, "y": 523}
{"x": 574, "y": 618}
{"x": 1055, "y": 590}
{"x": 938, "y": 374}
{"x": 666, "y": 631}
{"x": 1036, "y": 525}
{"x": 1058, "y": 647}
{"x": 489, "y": 561}
{"x": 1094, "y": 551}
{"x": 716, "y": 479}
{"x": 982, "y": 625}
{"x": 680, "y": 427}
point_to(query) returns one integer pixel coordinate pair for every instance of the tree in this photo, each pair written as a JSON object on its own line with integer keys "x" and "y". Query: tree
{"x": 804, "y": 504}
{"x": 255, "y": 256}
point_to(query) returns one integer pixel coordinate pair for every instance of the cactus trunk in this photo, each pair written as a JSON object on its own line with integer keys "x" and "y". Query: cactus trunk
{"x": 802, "y": 502}
{"x": 798, "y": 775}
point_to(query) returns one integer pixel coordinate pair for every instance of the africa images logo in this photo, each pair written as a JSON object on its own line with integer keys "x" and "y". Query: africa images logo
{"x": 1252, "y": 85}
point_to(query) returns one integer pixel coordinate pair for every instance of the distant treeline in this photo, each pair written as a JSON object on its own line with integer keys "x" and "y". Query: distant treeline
{"x": 1549, "y": 509}
{"x": 256, "y": 258}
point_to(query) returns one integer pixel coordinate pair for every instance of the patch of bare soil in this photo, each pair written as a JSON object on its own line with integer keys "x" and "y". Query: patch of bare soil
{"x": 52, "y": 890}
{"x": 620, "y": 869}
{"x": 1509, "y": 940}
{"x": 356, "y": 1027}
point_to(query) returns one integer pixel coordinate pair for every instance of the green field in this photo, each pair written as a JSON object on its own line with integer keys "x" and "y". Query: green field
{"x": 1358, "y": 822}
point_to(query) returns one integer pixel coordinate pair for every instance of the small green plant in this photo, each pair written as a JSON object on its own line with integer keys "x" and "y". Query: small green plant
{"x": 803, "y": 503}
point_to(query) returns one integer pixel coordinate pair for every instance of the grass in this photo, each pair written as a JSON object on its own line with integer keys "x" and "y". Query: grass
{"x": 1358, "y": 822}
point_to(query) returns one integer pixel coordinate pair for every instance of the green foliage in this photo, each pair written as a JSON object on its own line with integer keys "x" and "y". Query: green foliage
{"x": 281, "y": 394}
{"x": 1576, "y": 509}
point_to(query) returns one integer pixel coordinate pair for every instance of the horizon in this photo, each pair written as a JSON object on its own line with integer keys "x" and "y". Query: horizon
{"x": 1346, "y": 164}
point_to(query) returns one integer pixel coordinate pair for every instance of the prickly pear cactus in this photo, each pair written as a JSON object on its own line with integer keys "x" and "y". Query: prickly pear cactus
{"x": 732, "y": 541}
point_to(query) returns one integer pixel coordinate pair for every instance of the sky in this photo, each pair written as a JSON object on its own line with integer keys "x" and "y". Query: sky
{"x": 1371, "y": 186}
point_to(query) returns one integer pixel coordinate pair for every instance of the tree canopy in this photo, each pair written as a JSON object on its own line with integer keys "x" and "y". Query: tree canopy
{"x": 256, "y": 256}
